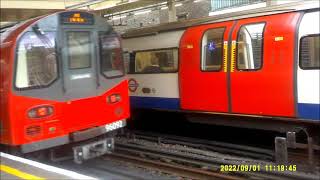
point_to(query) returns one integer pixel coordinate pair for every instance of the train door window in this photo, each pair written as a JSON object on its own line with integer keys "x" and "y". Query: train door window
{"x": 309, "y": 52}
{"x": 250, "y": 47}
{"x": 212, "y": 49}
{"x": 111, "y": 60}
{"x": 156, "y": 61}
{"x": 36, "y": 60}
{"x": 79, "y": 50}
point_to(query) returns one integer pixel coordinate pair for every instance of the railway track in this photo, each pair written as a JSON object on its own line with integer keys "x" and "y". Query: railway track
{"x": 198, "y": 159}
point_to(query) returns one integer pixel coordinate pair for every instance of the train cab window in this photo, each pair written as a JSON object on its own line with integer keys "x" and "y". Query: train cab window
{"x": 309, "y": 52}
{"x": 111, "y": 60}
{"x": 79, "y": 50}
{"x": 36, "y": 60}
{"x": 212, "y": 49}
{"x": 156, "y": 61}
{"x": 250, "y": 47}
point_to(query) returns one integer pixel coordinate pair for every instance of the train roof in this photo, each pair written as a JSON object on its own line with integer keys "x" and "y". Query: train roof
{"x": 277, "y": 9}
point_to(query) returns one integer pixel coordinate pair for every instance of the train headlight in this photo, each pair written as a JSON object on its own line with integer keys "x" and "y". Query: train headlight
{"x": 113, "y": 98}
{"x": 40, "y": 112}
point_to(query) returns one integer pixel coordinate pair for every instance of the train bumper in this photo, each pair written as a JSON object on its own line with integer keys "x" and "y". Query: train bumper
{"x": 73, "y": 137}
{"x": 94, "y": 132}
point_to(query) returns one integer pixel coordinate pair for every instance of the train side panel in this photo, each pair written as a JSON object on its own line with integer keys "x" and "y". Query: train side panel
{"x": 6, "y": 65}
{"x": 154, "y": 84}
{"x": 5, "y": 124}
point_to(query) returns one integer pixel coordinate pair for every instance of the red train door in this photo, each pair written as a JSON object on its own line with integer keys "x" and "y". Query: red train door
{"x": 203, "y": 67}
{"x": 262, "y": 65}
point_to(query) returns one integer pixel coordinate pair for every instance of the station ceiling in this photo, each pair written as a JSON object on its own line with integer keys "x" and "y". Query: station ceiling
{"x": 17, "y": 10}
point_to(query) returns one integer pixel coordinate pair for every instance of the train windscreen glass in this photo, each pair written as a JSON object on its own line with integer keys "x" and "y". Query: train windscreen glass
{"x": 79, "y": 50}
{"x": 110, "y": 55}
{"x": 36, "y": 60}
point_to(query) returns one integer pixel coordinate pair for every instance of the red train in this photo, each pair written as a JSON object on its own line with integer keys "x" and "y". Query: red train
{"x": 254, "y": 69}
{"x": 62, "y": 81}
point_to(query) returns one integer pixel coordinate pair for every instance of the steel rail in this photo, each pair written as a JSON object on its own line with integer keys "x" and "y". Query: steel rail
{"x": 178, "y": 170}
{"x": 212, "y": 145}
{"x": 203, "y": 161}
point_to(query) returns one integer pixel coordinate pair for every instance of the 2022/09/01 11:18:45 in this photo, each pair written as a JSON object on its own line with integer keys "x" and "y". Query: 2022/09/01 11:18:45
{"x": 257, "y": 167}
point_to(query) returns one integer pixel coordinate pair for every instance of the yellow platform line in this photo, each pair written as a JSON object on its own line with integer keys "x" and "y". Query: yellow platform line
{"x": 18, "y": 173}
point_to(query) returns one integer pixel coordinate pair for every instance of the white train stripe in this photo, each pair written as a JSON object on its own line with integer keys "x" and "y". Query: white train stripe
{"x": 164, "y": 85}
{"x": 45, "y": 167}
{"x": 309, "y": 80}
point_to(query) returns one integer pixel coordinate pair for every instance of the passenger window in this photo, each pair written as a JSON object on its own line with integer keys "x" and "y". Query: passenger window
{"x": 111, "y": 61}
{"x": 309, "y": 52}
{"x": 250, "y": 47}
{"x": 156, "y": 61}
{"x": 79, "y": 50}
{"x": 36, "y": 60}
{"x": 212, "y": 49}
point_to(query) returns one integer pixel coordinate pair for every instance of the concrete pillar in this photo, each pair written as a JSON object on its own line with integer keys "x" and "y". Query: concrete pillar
{"x": 172, "y": 10}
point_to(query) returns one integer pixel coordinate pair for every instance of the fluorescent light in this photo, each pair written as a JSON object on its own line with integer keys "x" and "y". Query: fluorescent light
{"x": 104, "y": 7}
{"x": 165, "y": 7}
{"x": 118, "y": 17}
{"x": 196, "y": 1}
{"x": 142, "y": 12}
{"x": 177, "y": 5}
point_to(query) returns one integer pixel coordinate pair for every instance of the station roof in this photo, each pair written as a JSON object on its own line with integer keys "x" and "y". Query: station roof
{"x": 276, "y": 9}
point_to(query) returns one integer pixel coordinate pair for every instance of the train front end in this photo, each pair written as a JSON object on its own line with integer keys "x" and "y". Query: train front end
{"x": 63, "y": 83}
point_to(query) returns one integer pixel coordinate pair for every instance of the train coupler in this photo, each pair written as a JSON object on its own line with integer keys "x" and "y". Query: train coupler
{"x": 91, "y": 150}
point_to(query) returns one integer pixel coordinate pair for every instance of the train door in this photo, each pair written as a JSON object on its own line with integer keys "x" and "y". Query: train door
{"x": 308, "y": 71}
{"x": 262, "y": 73}
{"x": 79, "y": 63}
{"x": 203, "y": 67}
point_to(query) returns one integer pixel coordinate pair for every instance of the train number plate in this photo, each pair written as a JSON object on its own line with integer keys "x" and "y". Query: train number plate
{"x": 115, "y": 125}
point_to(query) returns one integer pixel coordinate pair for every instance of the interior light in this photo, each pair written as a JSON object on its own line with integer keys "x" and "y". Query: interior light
{"x": 165, "y": 7}
{"x": 118, "y": 17}
{"x": 142, "y": 12}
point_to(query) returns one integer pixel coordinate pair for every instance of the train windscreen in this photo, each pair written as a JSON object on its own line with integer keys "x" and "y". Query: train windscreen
{"x": 111, "y": 55}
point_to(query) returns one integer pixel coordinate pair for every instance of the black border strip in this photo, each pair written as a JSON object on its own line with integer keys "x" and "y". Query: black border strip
{"x": 295, "y": 66}
{"x": 229, "y": 66}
